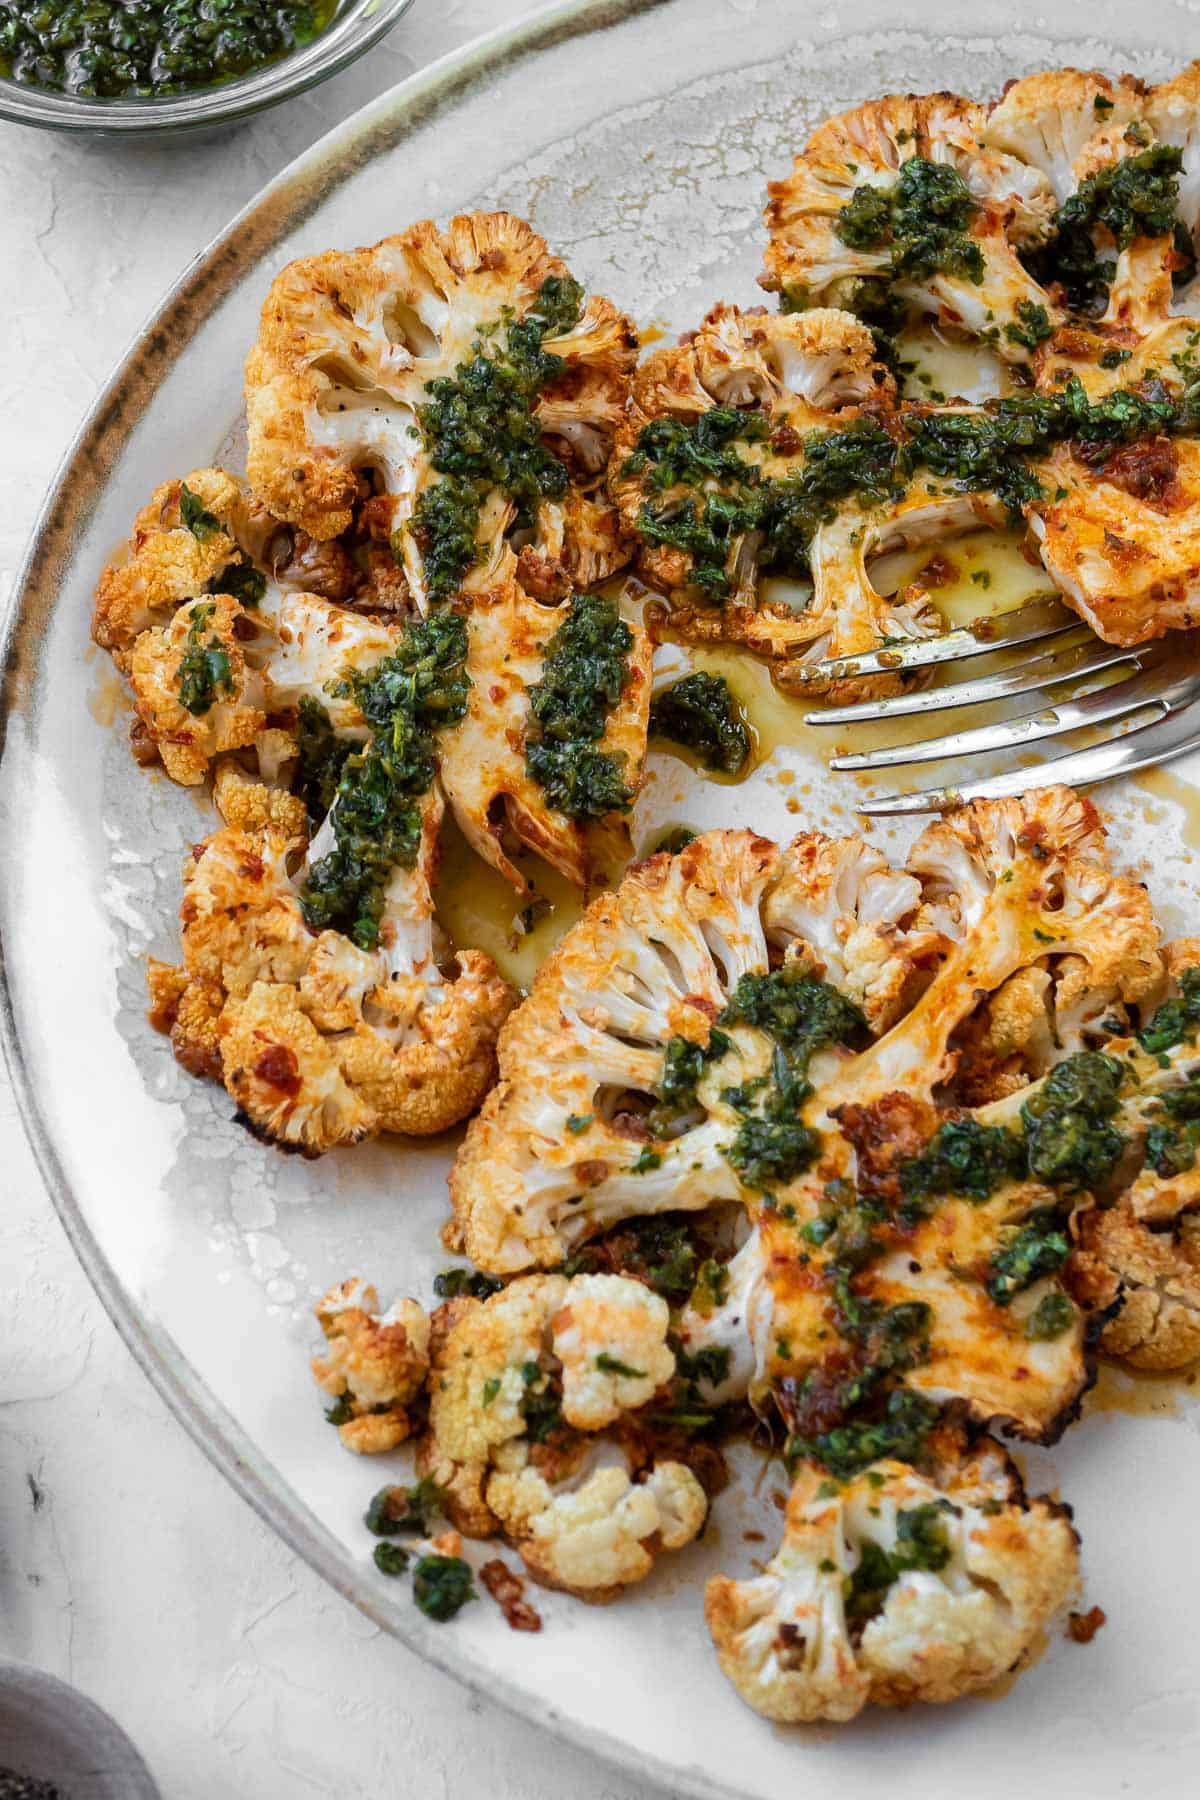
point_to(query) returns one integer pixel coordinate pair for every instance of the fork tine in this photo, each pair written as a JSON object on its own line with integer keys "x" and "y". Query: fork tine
{"x": 1117, "y": 700}
{"x": 1040, "y": 618}
{"x": 1083, "y": 655}
{"x": 1175, "y": 730}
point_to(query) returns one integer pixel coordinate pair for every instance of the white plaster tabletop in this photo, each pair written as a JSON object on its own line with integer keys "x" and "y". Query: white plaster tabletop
{"x": 127, "y": 1565}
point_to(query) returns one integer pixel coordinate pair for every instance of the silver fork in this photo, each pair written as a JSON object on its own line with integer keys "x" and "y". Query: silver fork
{"x": 1153, "y": 707}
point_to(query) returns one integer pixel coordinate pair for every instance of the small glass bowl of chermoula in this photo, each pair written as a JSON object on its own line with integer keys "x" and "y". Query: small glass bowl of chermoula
{"x": 155, "y": 68}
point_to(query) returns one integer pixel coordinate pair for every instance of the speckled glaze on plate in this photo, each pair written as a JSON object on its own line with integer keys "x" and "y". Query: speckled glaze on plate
{"x": 637, "y": 136}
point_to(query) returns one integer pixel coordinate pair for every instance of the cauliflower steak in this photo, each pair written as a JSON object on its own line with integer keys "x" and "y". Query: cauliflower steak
{"x": 952, "y": 1104}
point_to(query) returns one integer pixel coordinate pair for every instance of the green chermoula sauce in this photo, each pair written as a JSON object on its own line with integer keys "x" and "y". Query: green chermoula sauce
{"x": 108, "y": 49}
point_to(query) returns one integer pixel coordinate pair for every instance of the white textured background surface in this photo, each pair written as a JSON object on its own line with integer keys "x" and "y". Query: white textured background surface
{"x": 127, "y": 1565}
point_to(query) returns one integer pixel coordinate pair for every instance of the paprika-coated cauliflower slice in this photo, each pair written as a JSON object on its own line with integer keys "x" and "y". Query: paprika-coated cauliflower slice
{"x": 374, "y": 1364}
{"x": 848, "y": 616}
{"x": 756, "y": 460}
{"x": 956, "y": 1253}
{"x": 1014, "y": 882}
{"x": 195, "y": 694}
{"x": 466, "y": 357}
{"x": 899, "y": 197}
{"x": 627, "y": 998}
{"x": 199, "y": 535}
{"x": 897, "y": 1586}
{"x": 839, "y": 902}
{"x": 495, "y": 795}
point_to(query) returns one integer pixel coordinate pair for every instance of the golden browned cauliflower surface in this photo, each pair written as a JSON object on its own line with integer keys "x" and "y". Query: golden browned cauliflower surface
{"x": 319, "y": 1041}
{"x": 1055, "y": 231}
{"x": 952, "y": 1103}
{"x": 522, "y": 1387}
{"x": 373, "y": 1366}
{"x": 467, "y": 380}
{"x": 896, "y": 1586}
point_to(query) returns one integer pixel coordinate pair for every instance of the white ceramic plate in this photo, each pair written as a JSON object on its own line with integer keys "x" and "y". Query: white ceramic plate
{"x": 637, "y": 137}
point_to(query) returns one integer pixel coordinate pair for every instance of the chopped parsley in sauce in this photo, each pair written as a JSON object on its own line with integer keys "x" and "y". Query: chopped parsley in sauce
{"x": 125, "y": 49}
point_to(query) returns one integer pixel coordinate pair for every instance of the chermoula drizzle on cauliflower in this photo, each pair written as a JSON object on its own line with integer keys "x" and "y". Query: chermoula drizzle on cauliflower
{"x": 546, "y": 749}
{"x": 954, "y": 1102}
{"x": 895, "y": 1586}
{"x": 467, "y": 361}
{"x": 899, "y": 206}
{"x": 467, "y": 375}
{"x": 311, "y": 982}
{"x": 1058, "y": 229}
{"x": 764, "y": 447}
{"x": 724, "y": 498}
{"x": 321, "y": 1040}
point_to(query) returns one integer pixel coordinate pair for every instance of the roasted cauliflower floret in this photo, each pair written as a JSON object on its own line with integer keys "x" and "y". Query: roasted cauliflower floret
{"x": 195, "y": 695}
{"x": 897, "y": 1586}
{"x": 240, "y": 915}
{"x": 321, "y": 1042}
{"x": 738, "y": 448}
{"x": 374, "y": 1365}
{"x": 799, "y": 368}
{"x": 630, "y": 1324}
{"x": 840, "y": 904}
{"x": 202, "y": 535}
{"x": 250, "y": 803}
{"x": 1122, "y": 541}
{"x": 208, "y": 680}
{"x": 1055, "y": 120}
{"x": 399, "y": 359}
{"x": 482, "y": 1391}
{"x": 900, "y": 196}
{"x": 604, "y": 1535}
{"x": 516, "y": 1380}
{"x": 1154, "y": 1273}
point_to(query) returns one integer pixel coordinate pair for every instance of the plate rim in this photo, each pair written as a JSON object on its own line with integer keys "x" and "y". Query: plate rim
{"x": 83, "y": 472}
